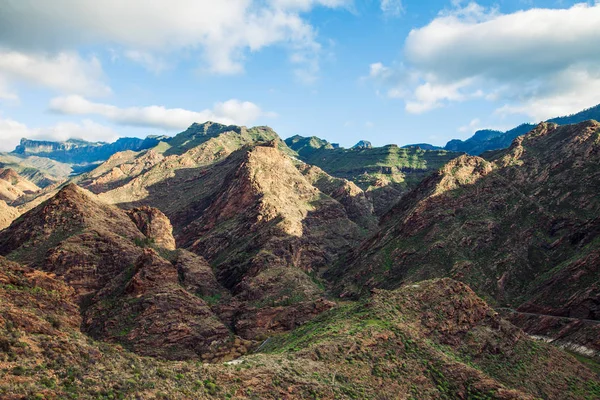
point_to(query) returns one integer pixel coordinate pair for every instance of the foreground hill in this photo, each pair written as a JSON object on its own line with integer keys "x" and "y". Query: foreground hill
{"x": 521, "y": 228}
{"x": 384, "y": 173}
{"x": 388, "y": 347}
{"x": 126, "y": 293}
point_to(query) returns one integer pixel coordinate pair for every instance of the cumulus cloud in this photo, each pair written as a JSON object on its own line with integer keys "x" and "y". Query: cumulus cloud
{"x": 229, "y": 112}
{"x": 538, "y": 62}
{"x": 224, "y": 31}
{"x": 65, "y": 72}
{"x": 12, "y": 131}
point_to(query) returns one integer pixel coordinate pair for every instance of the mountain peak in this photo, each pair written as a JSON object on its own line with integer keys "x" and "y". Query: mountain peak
{"x": 363, "y": 144}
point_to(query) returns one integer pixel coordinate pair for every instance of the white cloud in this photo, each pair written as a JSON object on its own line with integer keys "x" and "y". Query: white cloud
{"x": 225, "y": 31}
{"x": 392, "y": 7}
{"x": 65, "y": 72}
{"x": 147, "y": 60}
{"x": 306, "y": 5}
{"x": 538, "y": 62}
{"x": 472, "y": 127}
{"x": 5, "y": 92}
{"x": 12, "y": 131}
{"x": 228, "y": 112}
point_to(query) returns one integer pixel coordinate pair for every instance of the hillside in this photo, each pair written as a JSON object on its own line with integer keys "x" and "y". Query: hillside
{"x": 42, "y": 171}
{"x": 45, "y": 355}
{"x": 239, "y": 200}
{"x": 14, "y": 186}
{"x": 7, "y": 214}
{"x": 384, "y": 173}
{"x": 126, "y": 293}
{"x": 521, "y": 228}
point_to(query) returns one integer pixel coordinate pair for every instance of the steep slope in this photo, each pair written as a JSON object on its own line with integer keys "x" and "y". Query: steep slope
{"x": 521, "y": 229}
{"x": 354, "y": 200}
{"x": 13, "y": 186}
{"x": 7, "y": 214}
{"x": 267, "y": 231}
{"x": 384, "y": 173}
{"x": 44, "y": 354}
{"x": 124, "y": 291}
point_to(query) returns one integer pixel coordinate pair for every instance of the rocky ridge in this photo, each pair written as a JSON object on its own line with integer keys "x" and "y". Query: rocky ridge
{"x": 520, "y": 228}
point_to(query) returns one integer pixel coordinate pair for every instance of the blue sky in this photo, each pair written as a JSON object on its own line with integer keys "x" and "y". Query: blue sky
{"x": 387, "y": 71}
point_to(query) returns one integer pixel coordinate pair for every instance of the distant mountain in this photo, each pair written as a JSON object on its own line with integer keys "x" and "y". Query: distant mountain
{"x": 76, "y": 151}
{"x": 363, "y": 144}
{"x": 384, "y": 173}
{"x": 485, "y": 140}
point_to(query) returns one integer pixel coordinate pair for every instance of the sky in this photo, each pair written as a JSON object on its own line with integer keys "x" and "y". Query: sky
{"x": 387, "y": 71}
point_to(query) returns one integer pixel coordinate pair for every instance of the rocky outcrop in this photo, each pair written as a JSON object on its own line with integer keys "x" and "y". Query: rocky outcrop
{"x": 154, "y": 225}
{"x": 153, "y": 315}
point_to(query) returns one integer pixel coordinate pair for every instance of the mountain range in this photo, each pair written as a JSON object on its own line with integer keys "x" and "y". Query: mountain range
{"x": 225, "y": 262}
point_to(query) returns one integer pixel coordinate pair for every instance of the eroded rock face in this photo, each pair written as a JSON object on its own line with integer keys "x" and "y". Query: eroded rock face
{"x": 154, "y": 315}
{"x": 155, "y": 225}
